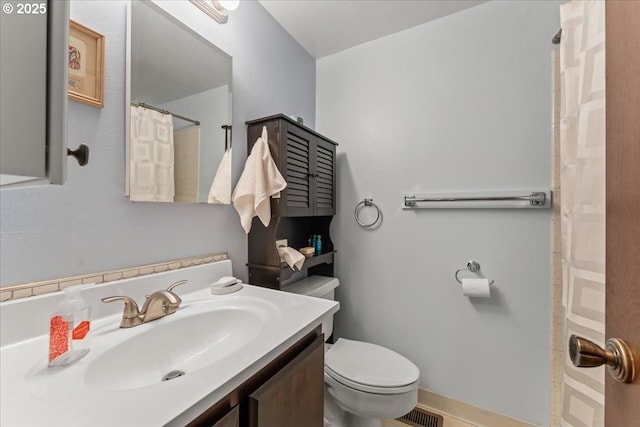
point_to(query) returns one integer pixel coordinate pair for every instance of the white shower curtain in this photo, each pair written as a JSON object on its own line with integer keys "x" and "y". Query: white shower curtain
{"x": 582, "y": 136}
{"x": 152, "y": 156}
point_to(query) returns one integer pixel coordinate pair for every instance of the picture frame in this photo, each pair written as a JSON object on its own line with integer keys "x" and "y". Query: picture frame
{"x": 86, "y": 65}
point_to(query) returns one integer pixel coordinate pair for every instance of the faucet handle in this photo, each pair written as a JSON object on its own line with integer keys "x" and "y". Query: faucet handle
{"x": 170, "y": 289}
{"x": 131, "y": 312}
{"x": 178, "y": 283}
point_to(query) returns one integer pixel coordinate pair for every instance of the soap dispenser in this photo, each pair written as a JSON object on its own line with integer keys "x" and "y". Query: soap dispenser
{"x": 69, "y": 329}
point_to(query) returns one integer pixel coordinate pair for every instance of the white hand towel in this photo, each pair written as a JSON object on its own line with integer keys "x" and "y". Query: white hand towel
{"x": 292, "y": 257}
{"x": 220, "y": 191}
{"x": 260, "y": 180}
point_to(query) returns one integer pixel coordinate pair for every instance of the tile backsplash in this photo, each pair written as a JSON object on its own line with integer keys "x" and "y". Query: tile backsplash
{"x": 54, "y": 285}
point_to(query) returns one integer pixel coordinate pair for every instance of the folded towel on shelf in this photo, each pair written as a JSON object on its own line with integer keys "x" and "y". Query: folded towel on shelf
{"x": 220, "y": 191}
{"x": 292, "y": 257}
{"x": 260, "y": 180}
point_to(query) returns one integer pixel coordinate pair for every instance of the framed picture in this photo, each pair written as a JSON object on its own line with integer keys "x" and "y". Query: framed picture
{"x": 86, "y": 65}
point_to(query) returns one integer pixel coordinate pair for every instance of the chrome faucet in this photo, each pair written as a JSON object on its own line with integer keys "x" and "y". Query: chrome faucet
{"x": 158, "y": 304}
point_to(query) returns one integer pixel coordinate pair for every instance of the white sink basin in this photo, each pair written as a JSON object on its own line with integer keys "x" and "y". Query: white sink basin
{"x": 201, "y": 337}
{"x": 219, "y": 341}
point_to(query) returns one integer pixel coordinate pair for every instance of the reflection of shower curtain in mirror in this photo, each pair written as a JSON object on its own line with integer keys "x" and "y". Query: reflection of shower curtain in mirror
{"x": 582, "y": 136}
{"x": 187, "y": 164}
{"x": 151, "y": 174}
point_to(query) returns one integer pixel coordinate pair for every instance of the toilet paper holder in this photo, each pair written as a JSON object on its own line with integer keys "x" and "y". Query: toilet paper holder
{"x": 472, "y": 266}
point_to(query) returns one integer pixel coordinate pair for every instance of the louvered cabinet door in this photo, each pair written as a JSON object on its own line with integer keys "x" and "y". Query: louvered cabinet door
{"x": 324, "y": 189}
{"x": 308, "y": 165}
{"x": 297, "y": 158}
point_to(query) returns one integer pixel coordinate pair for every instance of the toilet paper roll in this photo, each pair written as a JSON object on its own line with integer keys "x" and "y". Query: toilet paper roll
{"x": 476, "y": 288}
{"x": 292, "y": 257}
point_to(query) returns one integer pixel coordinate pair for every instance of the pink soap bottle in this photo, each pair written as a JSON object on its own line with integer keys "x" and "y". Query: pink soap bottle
{"x": 69, "y": 329}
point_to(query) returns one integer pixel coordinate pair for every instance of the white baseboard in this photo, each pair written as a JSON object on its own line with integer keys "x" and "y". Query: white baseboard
{"x": 469, "y": 413}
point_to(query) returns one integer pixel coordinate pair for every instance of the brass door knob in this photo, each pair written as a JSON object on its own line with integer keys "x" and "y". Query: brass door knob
{"x": 616, "y": 355}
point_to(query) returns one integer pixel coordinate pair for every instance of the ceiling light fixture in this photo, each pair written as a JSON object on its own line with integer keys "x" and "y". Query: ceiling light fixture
{"x": 229, "y": 4}
{"x": 217, "y": 9}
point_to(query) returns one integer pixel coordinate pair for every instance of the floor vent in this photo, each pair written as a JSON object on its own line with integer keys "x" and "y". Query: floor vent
{"x": 421, "y": 418}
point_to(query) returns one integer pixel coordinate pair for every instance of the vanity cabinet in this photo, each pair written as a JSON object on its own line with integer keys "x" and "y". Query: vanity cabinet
{"x": 287, "y": 392}
{"x": 231, "y": 419}
{"x": 307, "y": 161}
{"x": 293, "y": 397}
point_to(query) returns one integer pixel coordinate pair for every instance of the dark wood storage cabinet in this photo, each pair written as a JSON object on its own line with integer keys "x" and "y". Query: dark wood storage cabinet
{"x": 288, "y": 392}
{"x": 307, "y": 161}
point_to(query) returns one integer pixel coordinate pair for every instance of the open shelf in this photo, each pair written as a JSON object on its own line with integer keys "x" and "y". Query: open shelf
{"x": 318, "y": 264}
{"x": 325, "y": 258}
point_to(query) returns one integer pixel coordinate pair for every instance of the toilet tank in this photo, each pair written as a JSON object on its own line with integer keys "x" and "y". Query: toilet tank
{"x": 319, "y": 287}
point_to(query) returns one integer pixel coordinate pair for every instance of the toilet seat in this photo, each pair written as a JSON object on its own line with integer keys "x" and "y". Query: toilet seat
{"x": 370, "y": 368}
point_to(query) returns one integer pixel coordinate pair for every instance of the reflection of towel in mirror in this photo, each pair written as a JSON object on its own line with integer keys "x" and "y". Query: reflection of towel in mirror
{"x": 260, "y": 180}
{"x": 220, "y": 192}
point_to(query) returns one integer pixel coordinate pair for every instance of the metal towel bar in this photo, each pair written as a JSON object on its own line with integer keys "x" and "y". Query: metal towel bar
{"x": 536, "y": 199}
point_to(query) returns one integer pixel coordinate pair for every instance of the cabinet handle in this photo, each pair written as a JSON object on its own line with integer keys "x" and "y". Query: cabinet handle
{"x": 81, "y": 154}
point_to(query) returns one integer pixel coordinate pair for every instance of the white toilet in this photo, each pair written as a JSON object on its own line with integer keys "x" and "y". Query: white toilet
{"x": 364, "y": 382}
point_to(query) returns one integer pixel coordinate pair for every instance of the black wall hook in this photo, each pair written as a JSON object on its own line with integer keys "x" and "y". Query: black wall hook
{"x": 81, "y": 154}
{"x": 227, "y": 136}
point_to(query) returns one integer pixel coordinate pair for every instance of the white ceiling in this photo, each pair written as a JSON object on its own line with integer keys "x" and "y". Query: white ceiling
{"x": 324, "y": 27}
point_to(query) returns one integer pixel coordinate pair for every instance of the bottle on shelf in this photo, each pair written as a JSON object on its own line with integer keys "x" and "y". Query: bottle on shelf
{"x": 318, "y": 244}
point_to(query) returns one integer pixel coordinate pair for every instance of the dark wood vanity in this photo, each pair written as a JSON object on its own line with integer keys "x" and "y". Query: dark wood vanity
{"x": 288, "y": 392}
{"x": 307, "y": 161}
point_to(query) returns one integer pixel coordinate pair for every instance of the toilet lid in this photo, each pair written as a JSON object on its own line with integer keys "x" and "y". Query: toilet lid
{"x": 369, "y": 365}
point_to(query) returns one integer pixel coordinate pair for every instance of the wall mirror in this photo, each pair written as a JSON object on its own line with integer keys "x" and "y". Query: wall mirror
{"x": 179, "y": 110}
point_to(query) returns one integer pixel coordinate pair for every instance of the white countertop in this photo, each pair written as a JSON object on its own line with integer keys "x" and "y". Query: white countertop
{"x": 34, "y": 395}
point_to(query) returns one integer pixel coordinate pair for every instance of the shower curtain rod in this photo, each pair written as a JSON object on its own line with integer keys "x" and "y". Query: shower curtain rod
{"x": 557, "y": 37}
{"x": 160, "y": 110}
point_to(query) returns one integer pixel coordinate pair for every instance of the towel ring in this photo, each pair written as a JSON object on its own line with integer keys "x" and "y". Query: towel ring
{"x": 473, "y": 267}
{"x": 366, "y": 202}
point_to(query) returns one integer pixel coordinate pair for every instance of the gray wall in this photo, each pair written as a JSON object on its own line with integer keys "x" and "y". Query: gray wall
{"x": 88, "y": 225}
{"x": 459, "y": 104}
